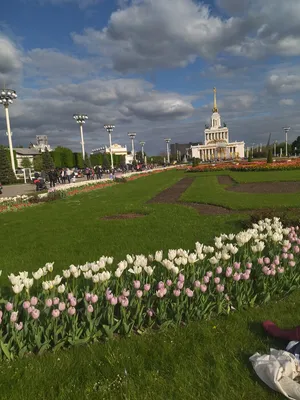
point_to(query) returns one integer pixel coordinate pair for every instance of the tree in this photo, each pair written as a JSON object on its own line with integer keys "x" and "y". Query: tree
{"x": 296, "y": 145}
{"x": 105, "y": 162}
{"x": 48, "y": 162}
{"x": 38, "y": 163}
{"x": 26, "y": 163}
{"x": 87, "y": 161}
{"x": 250, "y": 156}
{"x": 63, "y": 157}
{"x": 6, "y": 173}
{"x": 78, "y": 160}
{"x": 270, "y": 156}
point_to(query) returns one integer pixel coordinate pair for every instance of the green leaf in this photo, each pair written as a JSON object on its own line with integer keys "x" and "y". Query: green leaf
{"x": 6, "y": 351}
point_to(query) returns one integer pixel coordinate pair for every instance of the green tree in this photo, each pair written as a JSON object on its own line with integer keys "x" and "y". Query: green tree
{"x": 6, "y": 173}
{"x": 78, "y": 160}
{"x": 38, "y": 163}
{"x": 63, "y": 157}
{"x": 48, "y": 162}
{"x": 26, "y": 163}
{"x": 270, "y": 156}
{"x": 105, "y": 162}
{"x": 296, "y": 145}
{"x": 87, "y": 161}
{"x": 250, "y": 156}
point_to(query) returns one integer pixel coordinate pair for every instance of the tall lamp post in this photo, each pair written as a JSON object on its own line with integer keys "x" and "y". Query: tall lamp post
{"x": 168, "y": 151}
{"x": 143, "y": 144}
{"x": 80, "y": 119}
{"x": 275, "y": 144}
{"x": 109, "y": 128}
{"x": 6, "y": 98}
{"x": 132, "y": 136}
{"x": 286, "y": 131}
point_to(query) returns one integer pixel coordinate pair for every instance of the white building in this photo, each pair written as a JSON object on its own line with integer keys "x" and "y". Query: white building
{"x": 216, "y": 140}
{"x": 41, "y": 143}
{"x": 22, "y": 154}
{"x": 116, "y": 149}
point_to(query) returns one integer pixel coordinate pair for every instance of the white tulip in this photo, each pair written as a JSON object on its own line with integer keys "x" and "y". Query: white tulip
{"x": 149, "y": 270}
{"x": 18, "y": 288}
{"x": 192, "y": 258}
{"x": 95, "y": 278}
{"x": 28, "y": 283}
{"x": 14, "y": 279}
{"x": 23, "y": 275}
{"x": 172, "y": 254}
{"x": 88, "y": 274}
{"x": 57, "y": 280}
{"x": 101, "y": 263}
{"x": 122, "y": 265}
{"x": 129, "y": 259}
{"x": 95, "y": 268}
{"x": 110, "y": 260}
{"x": 175, "y": 270}
{"x": 73, "y": 269}
{"x": 158, "y": 256}
{"x": 61, "y": 288}
{"x": 66, "y": 273}
{"x": 135, "y": 270}
{"x": 184, "y": 260}
{"x": 49, "y": 266}
{"x": 118, "y": 272}
{"x": 46, "y": 285}
{"x": 213, "y": 260}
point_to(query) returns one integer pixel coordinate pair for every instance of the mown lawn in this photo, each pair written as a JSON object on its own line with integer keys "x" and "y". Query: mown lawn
{"x": 205, "y": 360}
{"x": 207, "y": 190}
{"x": 266, "y": 176}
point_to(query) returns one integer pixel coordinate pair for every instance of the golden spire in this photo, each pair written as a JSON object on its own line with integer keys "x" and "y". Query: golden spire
{"x": 215, "y": 109}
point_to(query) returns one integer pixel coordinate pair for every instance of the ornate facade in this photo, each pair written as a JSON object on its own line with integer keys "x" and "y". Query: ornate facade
{"x": 216, "y": 140}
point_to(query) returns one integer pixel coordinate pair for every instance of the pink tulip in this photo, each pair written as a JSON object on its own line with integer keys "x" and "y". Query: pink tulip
{"x": 55, "y": 301}
{"x": 292, "y": 263}
{"x": 87, "y": 297}
{"x": 203, "y": 288}
{"x": 260, "y": 261}
{"x": 220, "y": 288}
{"x": 228, "y": 272}
{"x": 284, "y": 256}
{"x": 267, "y": 260}
{"x": 72, "y": 311}
{"x": 90, "y": 308}
{"x": 276, "y": 261}
{"x": 94, "y": 298}
{"x": 236, "y": 277}
{"x": 55, "y": 313}
{"x": 62, "y": 306}
{"x": 108, "y": 295}
{"x": 189, "y": 292}
{"x": 209, "y": 274}
{"x": 160, "y": 285}
{"x": 272, "y": 266}
{"x": 176, "y": 292}
{"x": 35, "y": 314}
{"x": 268, "y": 272}
{"x": 169, "y": 282}
{"x": 284, "y": 249}
{"x": 219, "y": 270}
{"x": 26, "y": 305}
{"x": 245, "y": 276}
{"x": 197, "y": 284}
{"x": 291, "y": 256}
{"x": 237, "y": 265}
{"x": 139, "y": 294}
{"x": 126, "y": 293}
{"x": 217, "y": 280}
{"x": 280, "y": 270}
{"x": 206, "y": 279}
{"x": 70, "y": 296}
{"x": 227, "y": 297}
{"x": 136, "y": 284}
{"x": 124, "y": 301}
{"x": 113, "y": 301}
{"x": 249, "y": 265}
{"x": 48, "y": 302}
{"x": 150, "y": 313}
{"x": 147, "y": 287}
{"x": 73, "y": 302}
{"x": 33, "y": 301}
{"x": 296, "y": 249}
{"x": 30, "y": 309}
{"x": 9, "y": 306}
{"x": 14, "y": 316}
{"x": 179, "y": 285}
{"x": 265, "y": 269}
{"x": 19, "y": 326}
{"x": 273, "y": 272}
{"x": 181, "y": 278}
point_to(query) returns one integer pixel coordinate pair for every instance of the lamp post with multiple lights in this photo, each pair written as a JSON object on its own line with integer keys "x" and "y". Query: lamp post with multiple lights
{"x": 286, "y": 131}
{"x": 80, "y": 119}
{"x": 109, "y": 128}
{"x": 168, "y": 151}
{"x": 142, "y": 145}
{"x": 132, "y": 136}
{"x": 7, "y": 96}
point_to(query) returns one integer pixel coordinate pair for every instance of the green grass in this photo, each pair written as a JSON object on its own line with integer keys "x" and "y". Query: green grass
{"x": 266, "y": 176}
{"x": 205, "y": 360}
{"x": 207, "y": 190}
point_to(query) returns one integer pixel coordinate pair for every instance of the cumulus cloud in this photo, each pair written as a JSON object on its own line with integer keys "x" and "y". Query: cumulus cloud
{"x": 281, "y": 81}
{"x": 10, "y": 60}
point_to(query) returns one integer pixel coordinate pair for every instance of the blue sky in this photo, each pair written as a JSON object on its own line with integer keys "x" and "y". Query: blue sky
{"x": 149, "y": 66}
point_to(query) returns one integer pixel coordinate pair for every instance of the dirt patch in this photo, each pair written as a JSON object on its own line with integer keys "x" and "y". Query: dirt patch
{"x": 173, "y": 193}
{"x": 226, "y": 180}
{"x": 266, "y": 187}
{"x": 209, "y": 209}
{"x": 123, "y": 216}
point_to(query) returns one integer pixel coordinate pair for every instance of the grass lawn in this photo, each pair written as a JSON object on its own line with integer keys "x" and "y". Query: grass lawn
{"x": 205, "y": 360}
{"x": 207, "y": 190}
{"x": 265, "y": 176}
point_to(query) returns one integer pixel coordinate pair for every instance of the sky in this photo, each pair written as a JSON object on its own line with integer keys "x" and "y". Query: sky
{"x": 149, "y": 66}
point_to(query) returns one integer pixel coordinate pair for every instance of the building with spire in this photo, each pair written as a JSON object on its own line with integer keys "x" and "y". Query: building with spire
{"x": 216, "y": 140}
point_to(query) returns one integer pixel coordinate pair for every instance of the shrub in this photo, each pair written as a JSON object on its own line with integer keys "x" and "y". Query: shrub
{"x": 270, "y": 157}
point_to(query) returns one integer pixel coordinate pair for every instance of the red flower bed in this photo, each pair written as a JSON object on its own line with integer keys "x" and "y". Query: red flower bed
{"x": 247, "y": 166}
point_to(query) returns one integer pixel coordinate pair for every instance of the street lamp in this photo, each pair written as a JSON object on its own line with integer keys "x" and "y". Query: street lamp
{"x": 142, "y": 144}
{"x": 168, "y": 151}
{"x": 6, "y": 98}
{"x": 109, "y": 128}
{"x": 286, "y": 130}
{"x": 80, "y": 119}
{"x": 132, "y": 136}
{"x": 295, "y": 151}
{"x": 275, "y": 144}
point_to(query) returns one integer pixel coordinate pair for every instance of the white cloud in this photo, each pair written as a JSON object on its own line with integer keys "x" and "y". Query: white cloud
{"x": 287, "y": 102}
{"x": 10, "y": 60}
{"x": 281, "y": 81}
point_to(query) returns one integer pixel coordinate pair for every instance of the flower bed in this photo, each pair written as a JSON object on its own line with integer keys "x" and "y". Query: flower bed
{"x": 247, "y": 166}
{"x": 99, "y": 299}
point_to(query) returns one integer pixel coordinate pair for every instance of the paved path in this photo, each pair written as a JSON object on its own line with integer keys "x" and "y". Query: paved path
{"x": 19, "y": 189}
